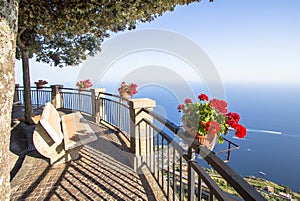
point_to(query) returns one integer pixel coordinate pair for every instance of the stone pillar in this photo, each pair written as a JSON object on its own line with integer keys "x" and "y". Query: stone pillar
{"x": 16, "y": 95}
{"x": 140, "y": 136}
{"x": 56, "y": 97}
{"x": 97, "y": 104}
{"x": 8, "y": 24}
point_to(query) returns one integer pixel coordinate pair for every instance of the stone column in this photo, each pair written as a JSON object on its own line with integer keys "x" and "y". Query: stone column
{"x": 140, "y": 136}
{"x": 56, "y": 97}
{"x": 16, "y": 95}
{"x": 97, "y": 104}
{"x": 8, "y": 24}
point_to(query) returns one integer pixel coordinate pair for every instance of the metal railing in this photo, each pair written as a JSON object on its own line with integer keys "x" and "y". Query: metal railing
{"x": 72, "y": 99}
{"x": 39, "y": 96}
{"x": 174, "y": 159}
{"x": 176, "y": 166}
{"x": 75, "y": 99}
{"x": 115, "y": 111}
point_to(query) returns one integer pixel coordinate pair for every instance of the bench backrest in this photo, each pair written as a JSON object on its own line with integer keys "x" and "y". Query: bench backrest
{"x": 50, "y": 120}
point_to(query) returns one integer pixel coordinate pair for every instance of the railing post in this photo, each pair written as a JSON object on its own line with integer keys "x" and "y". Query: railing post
{"x": 16, "y": 95}
{"x": 191, "y": 176}
{"x": 97, "y": 103}
{"x": 56, "y": 96}
{"x": 37, "y": 97}
{"x": 140, "y": 136}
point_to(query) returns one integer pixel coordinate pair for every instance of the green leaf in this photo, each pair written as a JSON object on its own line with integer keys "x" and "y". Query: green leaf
{"x": 220, "y": 140}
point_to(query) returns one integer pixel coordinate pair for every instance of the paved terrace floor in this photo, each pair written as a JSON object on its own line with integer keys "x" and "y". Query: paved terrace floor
{"x": 103, "y": 171}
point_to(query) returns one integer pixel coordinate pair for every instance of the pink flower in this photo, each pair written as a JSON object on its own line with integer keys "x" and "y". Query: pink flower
{"x": 188, "y": 100}
{"x": 128, "y": 88}
{"x": 220, "y": 105}
{"x": 84, "y": 84}
{"x": 212, "y": 127}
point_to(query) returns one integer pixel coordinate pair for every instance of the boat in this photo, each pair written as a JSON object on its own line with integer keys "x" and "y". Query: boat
{"x": 262, "y": 173}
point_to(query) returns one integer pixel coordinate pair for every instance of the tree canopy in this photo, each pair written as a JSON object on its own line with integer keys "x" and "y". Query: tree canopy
{"x": 66, "y": 32}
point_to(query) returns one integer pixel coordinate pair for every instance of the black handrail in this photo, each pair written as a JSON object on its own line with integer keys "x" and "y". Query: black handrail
{"x": 118, "y": 115}
{"x": 234, "y": 179}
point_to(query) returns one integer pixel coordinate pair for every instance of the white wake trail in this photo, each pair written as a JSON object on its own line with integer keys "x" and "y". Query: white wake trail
{"x": 263, "y": 131}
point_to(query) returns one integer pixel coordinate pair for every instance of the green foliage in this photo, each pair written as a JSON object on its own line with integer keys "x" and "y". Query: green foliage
{"x": 287, "y": 189}
{"x": 66, "y": 32}
{"x": 259, "y": 183}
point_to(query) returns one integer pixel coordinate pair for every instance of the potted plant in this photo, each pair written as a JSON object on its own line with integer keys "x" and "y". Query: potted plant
{"x": 84, "y": 84}
{"x": 208, "y": 121}
{"x": 127, "y": 90}
{"x": 40, "y": 83}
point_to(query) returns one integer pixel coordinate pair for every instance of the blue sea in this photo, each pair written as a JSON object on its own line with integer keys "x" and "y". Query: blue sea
{"x": 271, "y": 114}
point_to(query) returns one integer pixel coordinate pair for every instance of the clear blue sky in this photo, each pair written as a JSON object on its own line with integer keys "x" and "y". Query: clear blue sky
{"x": 248, "y": 41}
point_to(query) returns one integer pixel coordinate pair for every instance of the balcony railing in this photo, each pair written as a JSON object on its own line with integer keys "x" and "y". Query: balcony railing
{"x": 175, "y": 160}
{"x": 75, "y": 99}
{"x": 38, "y": 96}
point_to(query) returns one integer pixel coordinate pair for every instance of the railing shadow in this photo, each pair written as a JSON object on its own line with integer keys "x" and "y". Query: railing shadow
{"x": 96, "y": 175}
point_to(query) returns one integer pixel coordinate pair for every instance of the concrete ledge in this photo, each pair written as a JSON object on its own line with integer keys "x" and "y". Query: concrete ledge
{"x": 139, "y": 103}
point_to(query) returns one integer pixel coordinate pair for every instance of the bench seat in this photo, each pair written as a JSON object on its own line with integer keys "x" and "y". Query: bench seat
{"x": 76, "y": 131}
{"x": 60, "y": 138}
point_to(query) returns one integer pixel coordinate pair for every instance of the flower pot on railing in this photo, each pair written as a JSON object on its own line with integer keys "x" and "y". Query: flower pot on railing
{"x": 39, "y": 86}
{"x": 209, "y": 118}
{"x": 82, "y": 89}
{"x": 127, "y": 90}
{"x": 208, "y": 140}
{"x": 84, "y": 84}
{"x": 125, "y": 95}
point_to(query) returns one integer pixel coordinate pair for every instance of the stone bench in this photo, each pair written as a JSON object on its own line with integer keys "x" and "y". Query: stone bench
{"x": 60, "y": 138}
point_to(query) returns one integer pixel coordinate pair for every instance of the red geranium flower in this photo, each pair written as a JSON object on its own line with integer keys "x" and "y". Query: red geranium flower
{"x": 220, "y": 105}
{"x": 233, "y": 119}
{"x": 180, "y": 107}
{"x": 128, "y": 88}
{"x": 240, "y": 131}
{"x": 188, "y": 100}
{"x": 203, "y": 97}
{"x": 209, "y": 117}
{"x": 212, "y": 127}
{"x": 207, "y": 125}
{"x": 84, "y": 84}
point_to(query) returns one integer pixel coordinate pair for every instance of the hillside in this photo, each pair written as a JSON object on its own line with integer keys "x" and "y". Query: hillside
{"x": 269, "y": 189}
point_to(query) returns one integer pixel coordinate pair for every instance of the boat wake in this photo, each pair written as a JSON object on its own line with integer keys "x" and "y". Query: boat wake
{"x": 264, "y": 131}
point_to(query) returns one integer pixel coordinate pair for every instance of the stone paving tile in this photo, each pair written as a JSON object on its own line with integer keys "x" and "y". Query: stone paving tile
{"x": 103, "y": 172}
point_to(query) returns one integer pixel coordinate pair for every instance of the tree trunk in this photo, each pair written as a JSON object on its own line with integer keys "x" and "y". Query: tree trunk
{"x": 8, "y": 24}
{"x": 26, "y": 83}
{"x": 26, "y": 79}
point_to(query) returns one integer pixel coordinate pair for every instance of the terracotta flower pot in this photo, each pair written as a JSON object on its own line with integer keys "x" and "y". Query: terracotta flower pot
{"x": 125, "y": 95}
{"x": 208, "y": 140}
{"x": 201, "y": 139}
